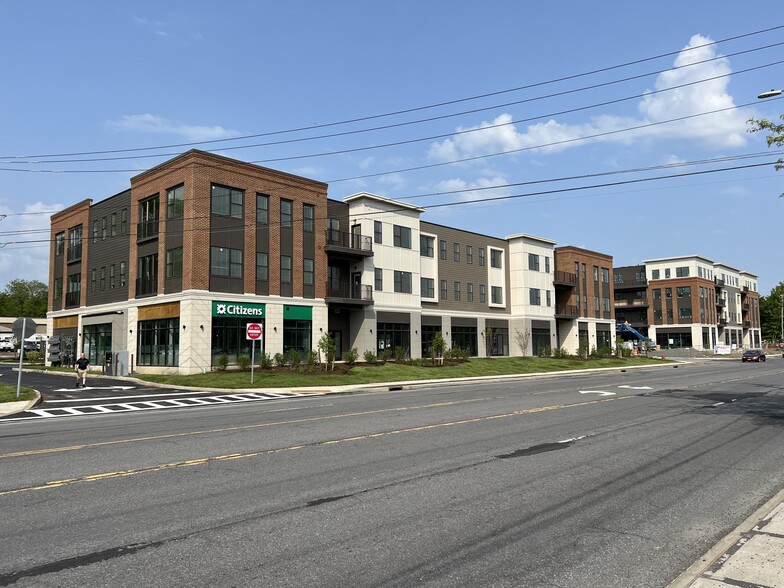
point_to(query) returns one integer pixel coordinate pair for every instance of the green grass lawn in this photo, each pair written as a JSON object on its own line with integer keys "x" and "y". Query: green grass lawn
{"x": 8, "y": 393}
{"x": 392, "y": 372}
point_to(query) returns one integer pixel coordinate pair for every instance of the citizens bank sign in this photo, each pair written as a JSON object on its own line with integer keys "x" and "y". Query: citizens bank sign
{"x": 237, "y": 310}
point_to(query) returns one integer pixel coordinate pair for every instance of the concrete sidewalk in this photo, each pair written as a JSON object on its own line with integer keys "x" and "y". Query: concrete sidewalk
{"x": 752, "y": 556}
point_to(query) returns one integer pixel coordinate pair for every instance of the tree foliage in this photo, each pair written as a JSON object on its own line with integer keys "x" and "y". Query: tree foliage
{"x": 770, "y": 314}
{"x": 27, "y": 298}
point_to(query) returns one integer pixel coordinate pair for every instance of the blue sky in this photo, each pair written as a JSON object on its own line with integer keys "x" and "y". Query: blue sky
{"x": 97, "y": 76}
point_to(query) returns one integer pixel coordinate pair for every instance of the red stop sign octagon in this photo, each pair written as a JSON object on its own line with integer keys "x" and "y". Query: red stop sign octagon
{"x": 253, "y": 331}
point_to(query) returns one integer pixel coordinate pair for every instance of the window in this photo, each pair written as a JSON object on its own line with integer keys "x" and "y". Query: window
{"x": 103, "y": 278}
{"x": 482, "y": 256}
{"x": 457, "y": 290}
{"x": 684, "y": 292}
{"x": 596, "y": 273}
{"x": 667, "y": 272}
{"x": 112, "y": 281}
{"x": 285, "y": 269}
{"x": 547, "y": 265}
{"x": 549, "y": 296}
{"x": 226, "y": 262}
{"x": 174, "y": 263}
{"x": 308, "y": 217}
{"x": 175, "y": 201}
{"x": 470, "y": 292}
{"x": 657, "y": 315}
{"x": 114, "y": 224}
{"x": 58, "y": 288}
{"x": 95, "y": 231}
{"x": 596, "y": 303}
{"x": 308, "y": 271}
{"x": 495, "y": 258}
{"x": 618, "y": 278}
{"x": 379, "y": 279}
{"x": 286, "y": 212}
{"x": 147, "y": 276}
{"x": 262, "y": 209}
{"x": 469, "y": 254}
{"x": 159, "y": 342}
{"x": 684, "y": 313}
{"x": 497, "y": 295}
{"x": 93, "y": 279}
{"x": 426, "y": 245}
{"x": 401, "y": 236}
{"x": 606, "y": 303}
{"x": 443, "y": 289}
{"x": 482, "y": 294}
{"x": 669, "y": 314}
{"x": 59, "y": 244}
{"x": 148, "y": 219}
{"x": 333, "y": 230}
{"x": 262, "y": 266}
{"x": 428, "y": 287}
{"x": 403, "y": 282}
{"x": 227, "y": 201}
{"x": 682, "y": 272}
{"x": 605, "y": 275}
{"x": 456, "y": 251}
{"x": 123, "y": 281}
{"x": 533, "y": 262}
{"x": 103, "y": 228}
{"x": 124, "y": 221}
{"x": 657, "y": 293}
{"x": 534, "y": 296}
{"x": 442, "y": 249}
{"x": 668, "y": 293}
{"x": 377, "y": 232}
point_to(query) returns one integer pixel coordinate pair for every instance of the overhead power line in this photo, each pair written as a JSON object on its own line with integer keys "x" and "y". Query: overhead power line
{"x": 425, "y": 107}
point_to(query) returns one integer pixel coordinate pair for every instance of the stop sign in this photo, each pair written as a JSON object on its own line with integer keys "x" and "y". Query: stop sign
{"x": 253, "y": 331}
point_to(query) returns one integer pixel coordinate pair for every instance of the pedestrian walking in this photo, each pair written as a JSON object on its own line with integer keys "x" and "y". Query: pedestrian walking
{"x": 82, "y": 365}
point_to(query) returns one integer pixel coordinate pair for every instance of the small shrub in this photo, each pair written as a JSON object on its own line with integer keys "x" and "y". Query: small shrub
{"x": 311, "y": 361}
{"x": 351, "y": 356}
{"x": 420, "y": 362}
{"x": 603, "y": 352}
{"x": 582, "y": 350}
{"x": 222, "y": 362}
{"x": 560, "y": 353}
{"x": 265, "y": 361}
{"x": 545, "y": 351}
{"x": 243, "y": 362}
{"x": 386, "y": 354}
{"x": 369, "y": 356}
{"x": 400, "y": 353}
{"x": 626, "y": 352}
{"x": 34, "y": 356}
{"x": 294, "y": 359}
{"x": 280, "y": 361}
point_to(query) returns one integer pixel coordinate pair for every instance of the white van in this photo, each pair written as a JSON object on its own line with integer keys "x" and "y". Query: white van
{"x": 6, "y": 342}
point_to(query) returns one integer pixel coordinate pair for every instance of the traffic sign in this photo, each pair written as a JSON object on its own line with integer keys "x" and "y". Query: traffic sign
{"x": 253, "y": 331}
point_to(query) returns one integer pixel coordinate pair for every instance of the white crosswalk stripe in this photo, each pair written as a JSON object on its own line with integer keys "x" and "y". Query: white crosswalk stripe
{"x": 157, "y": 404}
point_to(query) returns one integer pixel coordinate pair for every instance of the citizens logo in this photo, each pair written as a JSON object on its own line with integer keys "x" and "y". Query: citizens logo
{"x": 239, "y": 310}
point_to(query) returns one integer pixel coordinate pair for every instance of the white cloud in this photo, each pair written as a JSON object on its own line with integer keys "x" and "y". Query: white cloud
{"x": 468, "y": 191}
{"x": 150, "y": 123}
{"x": 725, "y": 129}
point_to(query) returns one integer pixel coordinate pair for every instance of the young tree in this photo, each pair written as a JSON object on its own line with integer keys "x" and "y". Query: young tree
{"x": 327, "y": 346}
{"x": 523, "y": 338}
{"x": 775, "y": 135}
{"x": 489, "y": 336}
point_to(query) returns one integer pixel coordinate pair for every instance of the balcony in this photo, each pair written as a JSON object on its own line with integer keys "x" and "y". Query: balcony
{"x": 722, "y": 322}
{"x": 639, "y": 302}
{"x": 566, "y": 311}
{"x": 147, "y": 286}
{"x": 348, "y": 245}
{"x": 718, "y": 282}
{"x": 564, "y": 279}
{"x": 74, "y": 253}
{"x": 72, "y": 299}
{"x": 147, "y": 229}
{"x": 348, "y": 294}
{"x": 721, "y": 303}
{"x": 631, "y": 285}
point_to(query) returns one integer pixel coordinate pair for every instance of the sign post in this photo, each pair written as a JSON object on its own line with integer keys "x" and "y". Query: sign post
{"x": 253, "y": 331}
{"x": 21, "y": 354}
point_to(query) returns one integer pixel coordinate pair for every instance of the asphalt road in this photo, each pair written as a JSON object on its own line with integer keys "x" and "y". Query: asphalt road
{"x": 613, "y": 479}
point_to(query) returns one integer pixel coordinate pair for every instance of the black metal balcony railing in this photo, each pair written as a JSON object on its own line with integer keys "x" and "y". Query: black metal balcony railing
{"x": 147, "y": 229}
{"x": 719, "y": 282}
{"x": 75, "y": 253}
{"x": 72, "y": 298}
{"x": 565, "y": 278}
{"x": 633, "y": 302}
{"x": 567, "y": 310}
{"x": 146, "y": 286}
{"x": 349, "y": 291}
{"x": 630, "y": 284}
{"x": 349, "y": 240}
{"x": 720, "y": 303}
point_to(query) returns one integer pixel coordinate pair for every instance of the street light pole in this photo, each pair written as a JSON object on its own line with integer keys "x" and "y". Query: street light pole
{"x": 770, "y": 94}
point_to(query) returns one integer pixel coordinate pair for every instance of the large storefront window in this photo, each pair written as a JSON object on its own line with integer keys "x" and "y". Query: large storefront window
{"x": 465, "y": 338}
{"x": 298, "y": 329}
{"x": 428, "y": 334}
{"x": 540, "y": 342}
{"x": 392, "y": 336}
{"x": 229, "y": 324}
{"x": 500, "y": 345}
{"x": 159, "y": 342}
{"x": 603, "y": 339}
{"x": 96, "y": 341}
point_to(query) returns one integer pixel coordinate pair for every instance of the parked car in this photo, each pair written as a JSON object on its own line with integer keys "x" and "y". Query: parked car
{"x": 753, "y": 355}
{"x": 6, "y": 345}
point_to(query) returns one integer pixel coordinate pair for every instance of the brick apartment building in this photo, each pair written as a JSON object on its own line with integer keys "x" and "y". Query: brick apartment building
{"x": 170, "y": 271}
